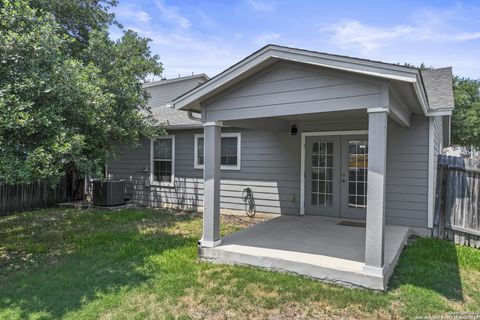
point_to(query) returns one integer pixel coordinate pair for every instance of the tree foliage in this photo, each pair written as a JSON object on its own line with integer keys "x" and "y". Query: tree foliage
{"x": 466, "y": 115}
{"x": 68, "y": 93}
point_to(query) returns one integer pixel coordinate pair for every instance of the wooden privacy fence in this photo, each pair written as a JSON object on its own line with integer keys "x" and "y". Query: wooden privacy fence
{"x": 20, "y": 197}
{"x": 457, "y": 200}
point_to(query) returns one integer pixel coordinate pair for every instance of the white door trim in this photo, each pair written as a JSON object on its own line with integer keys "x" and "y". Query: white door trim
{"x": 302, "y": 156}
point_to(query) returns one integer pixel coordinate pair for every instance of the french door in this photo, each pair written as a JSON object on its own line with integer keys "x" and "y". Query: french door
{"x": 336, "y": 170}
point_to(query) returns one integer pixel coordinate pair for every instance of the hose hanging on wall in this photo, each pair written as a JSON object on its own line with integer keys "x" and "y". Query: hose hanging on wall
{"x": 249, "y": 201}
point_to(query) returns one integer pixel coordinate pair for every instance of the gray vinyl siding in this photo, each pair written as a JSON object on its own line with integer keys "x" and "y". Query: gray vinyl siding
{"x": 407, "y": 173}
{"x": 165, "y": 93}
{"x": 270, "y": 166}
{"x": 289, "y": 88}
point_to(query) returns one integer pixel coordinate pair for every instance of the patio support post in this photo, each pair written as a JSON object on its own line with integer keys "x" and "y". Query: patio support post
{"x": 211, "y": 185}
{"x": 377, "y": 164}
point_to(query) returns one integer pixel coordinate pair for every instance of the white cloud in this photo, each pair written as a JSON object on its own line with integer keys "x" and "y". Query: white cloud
{"x": 426, "y": 26}
{"x": 172, "y": 14}
{"x": 131, "y": 12}
{"x": 266, "y": 38}
{"x": 351, "y": 33}
{"x": 261, "y": 5}
{"x": 182, "y": 54}
{"x": 143, "y": 16}
{"x": 467, "y": 36}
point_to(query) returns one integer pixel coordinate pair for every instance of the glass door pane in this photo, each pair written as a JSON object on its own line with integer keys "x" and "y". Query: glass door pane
{"x": 357, "y": 173}
{"x": 322, "y": 173}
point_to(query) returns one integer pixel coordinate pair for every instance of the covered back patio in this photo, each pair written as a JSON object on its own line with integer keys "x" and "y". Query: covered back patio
{"x": 324, "y": 248}
{"x": 272, "y": 88}
{"x": 311, "y": 243}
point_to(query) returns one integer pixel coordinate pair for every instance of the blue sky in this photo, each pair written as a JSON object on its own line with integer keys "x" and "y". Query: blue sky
{"x": 209, "y": 36}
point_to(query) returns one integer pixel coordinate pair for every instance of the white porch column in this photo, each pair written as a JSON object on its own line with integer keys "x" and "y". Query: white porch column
{"x": 377, "y": 163}
{"x": 211, "y": 185}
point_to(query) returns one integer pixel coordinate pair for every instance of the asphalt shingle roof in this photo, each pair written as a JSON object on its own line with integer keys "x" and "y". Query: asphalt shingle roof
{"x": 163, "y": 92}
{"x": 172, "y": 118}
{"x": 438, "y": 84}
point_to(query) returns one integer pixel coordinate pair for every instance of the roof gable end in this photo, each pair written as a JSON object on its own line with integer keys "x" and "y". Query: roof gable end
{"x": 272, "y": 53}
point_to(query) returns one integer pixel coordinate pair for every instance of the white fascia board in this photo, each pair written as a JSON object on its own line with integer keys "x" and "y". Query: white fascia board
{"x": 421, "y": 94}
{"x": 434, "y": 112}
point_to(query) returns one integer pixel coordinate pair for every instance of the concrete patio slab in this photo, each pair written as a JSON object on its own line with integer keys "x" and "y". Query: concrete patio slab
{"x": 312, "y": 246}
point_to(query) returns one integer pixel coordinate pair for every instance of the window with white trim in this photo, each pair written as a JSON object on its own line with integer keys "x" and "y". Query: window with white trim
{"x": 162, "y": 161}
{"x": 230, "y": 151}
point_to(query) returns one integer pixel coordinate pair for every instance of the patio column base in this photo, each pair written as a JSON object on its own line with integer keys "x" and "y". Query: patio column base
{"x": 374, "y": 271}
{"x": 209, "y": 244}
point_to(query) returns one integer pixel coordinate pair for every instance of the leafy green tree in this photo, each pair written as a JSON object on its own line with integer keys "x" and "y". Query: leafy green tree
{"x": 466, "y": 115}
{"x": 68, "y": 93}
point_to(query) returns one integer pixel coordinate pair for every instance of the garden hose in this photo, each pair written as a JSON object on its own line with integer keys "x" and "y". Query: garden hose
{"x": 249, "y": 201}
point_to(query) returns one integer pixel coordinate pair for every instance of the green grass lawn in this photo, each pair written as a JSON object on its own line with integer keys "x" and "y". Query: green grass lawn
{"x": 142, "y": 264}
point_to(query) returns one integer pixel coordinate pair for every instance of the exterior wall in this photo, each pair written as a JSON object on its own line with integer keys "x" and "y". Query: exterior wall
{"x": 165, "y": 93}
{"x": 290, "y": 88}
{"x": 407, "y": 173}
{"x": 270, "y": 166}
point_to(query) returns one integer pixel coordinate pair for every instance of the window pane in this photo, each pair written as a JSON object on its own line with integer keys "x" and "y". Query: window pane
{"x": 352, "y": 201}
{"x": 321, "y": 160}
{"x": 200, "y": 151}
{"x": 329, "y": 200}
{"x": 200, "y": 146}
{"x": 330, "y": 161}
{"x": 163, "y": 149}
{"x": 162, "y": 171}
{"x": 321, "y": 199}
{"x": 322, "y": 173}
{"x": 199, "y": 160}
{"x": 357, "y": 173}
{"x": 321, "y": 187}
{"x": 323, "y": 147}
{"x": 229, "y": 151}
{"x": 329, "y": 175}
{"x": 330, "y": 148}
